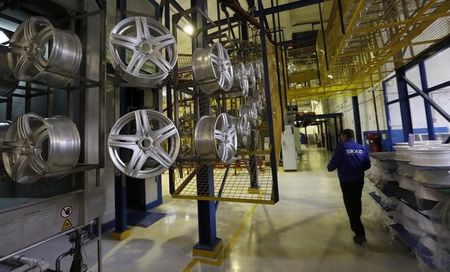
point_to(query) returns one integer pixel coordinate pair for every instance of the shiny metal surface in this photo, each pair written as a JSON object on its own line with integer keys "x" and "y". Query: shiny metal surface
{"x": 64, "y": 143}
{"x": 154, "y": 145}
{"x": 28, "y": 59}
{"x": 34, "y": 146}
{"x": 259, "y": 70}
{"x": 216, "y": 138}
{"x": 251, "y": 77}
{"x": 240, "y": 79}
{"x": 251, "y": 112}
{"x": 212, "y": 69}
{"x": 244, "y": 130}
{"x": 258, "y": 102}
{"x": 147, "y": 41}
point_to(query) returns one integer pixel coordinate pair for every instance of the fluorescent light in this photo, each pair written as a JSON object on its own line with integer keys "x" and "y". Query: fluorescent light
{"x": 3, "y": 37}
{"x": 188, "y": 29}
{"x": 330, "y": 76}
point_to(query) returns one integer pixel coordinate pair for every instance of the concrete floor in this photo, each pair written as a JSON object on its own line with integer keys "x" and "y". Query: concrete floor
{"x": 306, "y": 231}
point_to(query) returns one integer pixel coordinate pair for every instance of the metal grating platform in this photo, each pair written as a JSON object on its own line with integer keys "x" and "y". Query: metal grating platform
{"x": 232, "y": 183}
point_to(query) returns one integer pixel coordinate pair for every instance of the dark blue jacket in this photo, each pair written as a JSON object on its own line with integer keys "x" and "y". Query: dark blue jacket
{"x": 351, "y": 160}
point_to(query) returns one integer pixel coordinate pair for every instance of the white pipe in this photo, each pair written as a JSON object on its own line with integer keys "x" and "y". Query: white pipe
{"x": 30, "y": 264}
{"x": 22, "y": 268}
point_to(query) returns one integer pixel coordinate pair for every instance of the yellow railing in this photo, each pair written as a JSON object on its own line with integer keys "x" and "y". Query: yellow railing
{"x": 378, "y": 37}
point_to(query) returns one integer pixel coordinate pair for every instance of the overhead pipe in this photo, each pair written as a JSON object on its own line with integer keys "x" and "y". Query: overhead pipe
{"x": 235, "y": 6}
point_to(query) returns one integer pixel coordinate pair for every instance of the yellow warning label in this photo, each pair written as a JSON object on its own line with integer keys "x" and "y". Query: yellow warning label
{"x": 66, "y": 225}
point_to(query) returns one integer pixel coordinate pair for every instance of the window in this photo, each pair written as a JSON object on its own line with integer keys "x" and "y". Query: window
{"x": 395, "y": 123}
{"x": 418, "y": 117}
{"x": 391, "y": 89}
{"x": 437, "y": 68}
{"x": 441, "y": 125}
{"x": 417, "y": 105}
{"x": 413, "y": 75}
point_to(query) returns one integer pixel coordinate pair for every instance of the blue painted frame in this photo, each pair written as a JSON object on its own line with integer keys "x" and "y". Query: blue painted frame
{"x": 388, "y": 116}
{"x": 404, "y": 97}
{"x": 404, "y": 104}
{"x": 120, "y": 222}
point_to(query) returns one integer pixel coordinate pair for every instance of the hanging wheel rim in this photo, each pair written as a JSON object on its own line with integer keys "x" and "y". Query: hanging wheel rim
{"x": 147, "y": 40}
{"x": 27, "y": 59}
{"x": 222, "y": 68}
{"x": 154, "y": 146}
{"x": 225, "y": 137}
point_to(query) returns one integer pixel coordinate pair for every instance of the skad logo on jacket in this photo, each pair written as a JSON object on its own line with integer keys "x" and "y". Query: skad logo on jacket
{"x": 354, "y": 151}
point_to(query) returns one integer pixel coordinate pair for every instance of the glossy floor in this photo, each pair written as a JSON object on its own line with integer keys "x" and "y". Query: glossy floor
{"x": 306, "y": 231}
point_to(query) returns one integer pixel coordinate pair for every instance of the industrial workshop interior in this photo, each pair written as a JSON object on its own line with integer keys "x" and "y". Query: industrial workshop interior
{"x": 225, "y": 135}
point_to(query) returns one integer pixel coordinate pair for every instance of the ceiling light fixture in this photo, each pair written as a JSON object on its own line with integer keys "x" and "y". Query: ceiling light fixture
{"x": 188, "y": 29}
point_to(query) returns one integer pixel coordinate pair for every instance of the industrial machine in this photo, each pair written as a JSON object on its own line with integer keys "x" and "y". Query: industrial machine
{"x": 50, "y": 183}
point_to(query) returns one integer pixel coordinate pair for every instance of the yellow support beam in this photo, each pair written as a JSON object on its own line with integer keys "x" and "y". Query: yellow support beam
{"x": 350, "y": 26}
{"x": 430, "y": 17}
{"x": 355, "y": 71}
{"x": 403, "y": 40}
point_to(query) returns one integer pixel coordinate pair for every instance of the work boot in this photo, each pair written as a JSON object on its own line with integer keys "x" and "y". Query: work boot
{"x": 359, "y": 239}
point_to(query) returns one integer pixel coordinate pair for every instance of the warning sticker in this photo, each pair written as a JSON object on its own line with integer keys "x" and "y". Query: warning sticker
{"x": 66, "y": 211}
{"x": 66, "y": 225}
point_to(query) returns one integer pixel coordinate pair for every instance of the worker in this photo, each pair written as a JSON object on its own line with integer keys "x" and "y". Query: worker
{"x": 351, "y": 160}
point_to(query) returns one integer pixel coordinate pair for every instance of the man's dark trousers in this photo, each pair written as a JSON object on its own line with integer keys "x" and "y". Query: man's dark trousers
{"x": 352, "y": 199}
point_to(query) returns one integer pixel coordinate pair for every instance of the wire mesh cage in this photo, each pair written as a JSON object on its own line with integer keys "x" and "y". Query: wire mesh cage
{"x": 225, "y": 153}
{"x": 231, "y": 183}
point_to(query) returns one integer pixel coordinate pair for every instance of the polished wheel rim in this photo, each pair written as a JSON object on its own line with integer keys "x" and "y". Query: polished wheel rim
{"x": 225, "y": 135}
{"x": 154, "y": 146}
{"x": 212, "y": 69}
{"x": 147, "y": 41}
{"x": 259, "y": 70}
{"x": 250, "y": 76}
{"x": 256, "y": 100}
{"x": 34, "y": 146}
{"x": 244, "y": 130}
{"x": 28, "y": 60}
{"x": 216, "y": 138}
{"x": 251, "y": 112}
{"x": 241, "y": 79}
